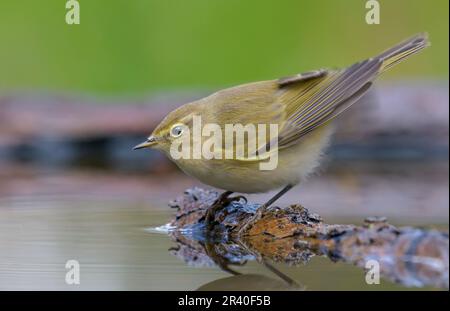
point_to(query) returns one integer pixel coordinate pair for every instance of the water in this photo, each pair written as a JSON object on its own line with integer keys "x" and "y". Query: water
{"x": 104, "y": 221}
{"x": 116, "y": 252}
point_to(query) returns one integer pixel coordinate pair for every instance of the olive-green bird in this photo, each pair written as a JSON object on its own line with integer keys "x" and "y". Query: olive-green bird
{"x": 302, "y": 106}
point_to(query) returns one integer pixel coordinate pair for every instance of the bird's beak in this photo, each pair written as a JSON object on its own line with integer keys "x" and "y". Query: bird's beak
{"x": 151, "y": 141}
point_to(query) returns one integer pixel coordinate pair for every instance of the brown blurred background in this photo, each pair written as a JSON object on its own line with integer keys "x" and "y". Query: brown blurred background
{"x": 74, "y": 100}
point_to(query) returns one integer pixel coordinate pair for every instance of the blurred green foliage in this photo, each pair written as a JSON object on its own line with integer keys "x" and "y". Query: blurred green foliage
{"x": 140, "y": 46}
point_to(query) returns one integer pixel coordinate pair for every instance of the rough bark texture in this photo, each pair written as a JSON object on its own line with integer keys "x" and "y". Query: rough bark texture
{"x": 410, "y": 256}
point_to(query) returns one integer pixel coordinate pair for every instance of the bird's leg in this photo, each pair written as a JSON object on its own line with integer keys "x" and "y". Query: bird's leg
{"x": 215, "y": 207}
{"x": 221, "y": 202}
{"x": 263, "y": 208}
{"x": 266, "y": 205}
{"x": 223, "y": 198}
{"x": 291, "y": 282}
{"x": 221, "y": 261}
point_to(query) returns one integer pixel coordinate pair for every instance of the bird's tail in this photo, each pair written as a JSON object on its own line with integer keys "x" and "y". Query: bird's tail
{"x": 403, "y": 50}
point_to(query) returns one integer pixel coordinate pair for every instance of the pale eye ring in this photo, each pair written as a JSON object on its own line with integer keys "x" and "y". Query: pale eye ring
{"x": 177, "y": 130}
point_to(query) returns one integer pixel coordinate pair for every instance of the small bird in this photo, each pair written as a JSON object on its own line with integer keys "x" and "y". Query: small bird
{"x": 302, "y": 106}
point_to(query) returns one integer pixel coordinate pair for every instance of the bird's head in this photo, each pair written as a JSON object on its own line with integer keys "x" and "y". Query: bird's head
{"x": 176, "y": 124}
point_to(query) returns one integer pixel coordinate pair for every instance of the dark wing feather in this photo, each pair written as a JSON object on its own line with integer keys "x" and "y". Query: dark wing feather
{"x": 323, "y": 99}
{"x": 318, "y": 98}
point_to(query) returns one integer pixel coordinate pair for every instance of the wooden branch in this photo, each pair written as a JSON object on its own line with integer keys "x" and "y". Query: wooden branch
{"x": 410, "y": 256}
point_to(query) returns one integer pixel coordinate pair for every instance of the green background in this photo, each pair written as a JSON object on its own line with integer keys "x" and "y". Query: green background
{"x": 147, "y": 46}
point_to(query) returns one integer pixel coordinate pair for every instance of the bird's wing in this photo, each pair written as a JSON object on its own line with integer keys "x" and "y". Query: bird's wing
{"x": 315, "y": 98}
{"x": 297, "y": 104}
{"x": 301, "y": 103}
{"x": 310, "y": 103}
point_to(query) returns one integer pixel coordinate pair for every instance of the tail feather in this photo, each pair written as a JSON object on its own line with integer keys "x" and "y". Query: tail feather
{"x": 403, "y": 50}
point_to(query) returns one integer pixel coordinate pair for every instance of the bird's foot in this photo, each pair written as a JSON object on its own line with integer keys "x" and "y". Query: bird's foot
{"x": 221, "y": 202}
{"x": 224, "y": 199}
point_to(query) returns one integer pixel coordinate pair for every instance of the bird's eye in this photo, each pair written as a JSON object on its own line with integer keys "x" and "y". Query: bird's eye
{"x": 176, "y": 131}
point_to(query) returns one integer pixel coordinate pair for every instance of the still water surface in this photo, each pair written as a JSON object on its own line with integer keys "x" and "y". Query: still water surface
{"x": 116, "y": 251}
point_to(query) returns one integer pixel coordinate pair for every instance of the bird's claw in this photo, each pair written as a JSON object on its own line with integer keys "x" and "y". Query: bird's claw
{"x": 221, "y": 202}
{"x": 224, "y": 199}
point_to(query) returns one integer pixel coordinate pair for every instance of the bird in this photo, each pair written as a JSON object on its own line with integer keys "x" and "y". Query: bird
{"x": 303, "y": 106}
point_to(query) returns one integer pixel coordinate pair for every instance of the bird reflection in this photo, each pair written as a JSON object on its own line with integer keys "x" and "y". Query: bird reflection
{"x": 223, "y": 255}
